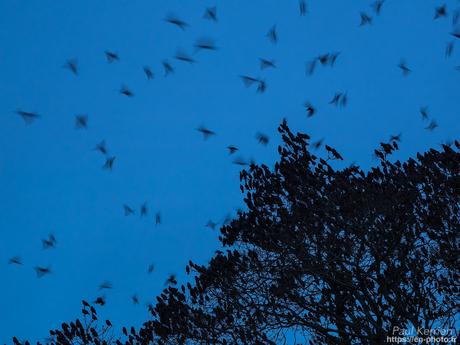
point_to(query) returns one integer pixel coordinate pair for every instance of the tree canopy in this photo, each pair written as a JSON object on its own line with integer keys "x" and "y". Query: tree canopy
{"x": 327, "y": 255}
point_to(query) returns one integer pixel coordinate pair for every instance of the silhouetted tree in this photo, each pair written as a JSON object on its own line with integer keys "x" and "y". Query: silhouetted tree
{"x": 336, "y": 256}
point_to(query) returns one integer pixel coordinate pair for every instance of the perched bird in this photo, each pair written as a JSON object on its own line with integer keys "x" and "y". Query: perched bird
{"x": 42, "y": 271}
{"x": 176, "y": 21}
{"x": 171, "y": 280}
{"x": 310, "y": 109}
{"x": 28, "y": 116}
{"x": 72, "y": 66}
{"x": 211, "y": 13}
{"x": 403, "y": 66}
{"x": 49, "y": 242}
{"x": 15, "y": 260}
{"x": 111, "y": 56}
{"x": 135, "y": 299}
{"x": 432, "y": 125}
{"x": 105, "y": 285}
{"x": 424, "y": 113}
{"x": 128, "y": 210}
{"x": 302, "y": 7}
{"x": 151, "y": 268}
{"x": 264, "y": 63}
{"x": 262, "y": 138}
{"x": 101, "y": 147}
{"x": 125, "y": 91}
{"x": 377, "y": 6}
{"x": 205, "y": 44}
{"x": 365, "y": 19}
{"x": 232, "y": 149}
{"x": 144, "y": 209}
{"x": 158, "y": 218}
{"x": 207, "y": 133}
{"x": 81, "y": 121}
{"x": 167, "y": 68}
{"x": 449, "y": 49}
{"x": 148, "y": 72}
{"x": 440, "y": 11}
{"x": 108, "y": 165}
{"x": 272, "y": 35}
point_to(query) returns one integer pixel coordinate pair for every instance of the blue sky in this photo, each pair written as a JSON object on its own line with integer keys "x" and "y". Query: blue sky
{"x": 51, "y": 179}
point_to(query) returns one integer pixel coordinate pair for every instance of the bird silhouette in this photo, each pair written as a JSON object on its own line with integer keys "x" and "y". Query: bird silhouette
{"x": 28, "y": 116}
{"x": 262, "y": 138}
{"x": 124, "y": 90}
{"x": 377, "y": 6}
{"x": 302, "y": 7}
{"x": 272, "y": 35}
{"x": 144, "y": 209}
{"x": 184, "y": 57}
{"x": 41, "y": 271}
{"x": 310, "y": 109}
{"x": 105, "y": 285}
{"x": 249, "y": 81}
{"x": 232, "y": 149}
{"x": 339, "y": 99}
{"x": 81, "y": 121}
{"x": 128, "y": 210}
{"x": 148, "y": 72}
{"x": 317, "y": 144}
{"x": 151, "y": 268}
{"x": 449, "y": 49}
{"x": 15, "y": 260}
{"x": 135, "y": 299}
{"x": 171, "y": 280}
{"x": 240, "y": 161}
{"x": 176, "y": 21}
{"x": 310, "y": 67}
{"x": 211, "y": 13}
{"x": 111, "y": 56}
{"x": 168, "y": 68}
{"x": 207, "y": 133}
{"x": 100, "y": 301}
{"x": 424, "y": 112}
{"x": 158, "y": 218}
{"x": 365, "y": 19}
{"x": 205, "y": 44}
{"x": 440, "y": 11}
{"x": 261, "y": 86}
{"x": 212, "y": 225}
{"x": 395, "y": 137}
{"x": 72, "y": 66}
{"x": 265, "y": 63}
{"x": 49, "y": 242}
{"x": 403, "y": 66}
{"x": 108, "y": 165}
{"x": 101, "y": 147}
{"x": 432, "y": 126}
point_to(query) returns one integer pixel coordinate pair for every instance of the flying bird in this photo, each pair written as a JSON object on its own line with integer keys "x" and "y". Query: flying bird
{"x": 151, "y": 268}
{"x": 302, "y": 7}
{"x": 339, "y": 99}
{"x": 167, "y": 68}
{"x": 310, "y": 67}
{"x": 365, "y": 19}
{"x": 158, "y": 218}
{"x": 264, "y": 63}
{"x": 205, "y": 44}
{"x": 171, "y": 280}
{"x": 377, "y": 6}
{"x": 456, "y": 33}
{"x": 144, "y": 209}
{"x": 176, "y": 21}
{"x": 207, "y": 133}
{"x": 105, "y": 285}
{"x": 403, "y": 66}
{"x": 212, "y": 225}
{"x": 124, "y": 90}
{"x": 395, "y": 137}
{"x": 101, "y": 147}
{"x": 262, "y": 138}
{"x": 148, "y": 72}
{"x": 261, "y": 86}
{"x": 249, "y": 81}
{"x": 100, "y": 300}
{"x": 310, "y": 109}
{"x": 81, "y": 121}
{"x": 232, "y": 149}
{"x": 449, "y": 49}
{"x": 440, "y": 11}
{"x": 49, "y": 242}
{"x": 15, "y": 260}
{"x": 181, "y": 56}
{"x": 211, "y": 13}
{"x": 28, "y": 116}
{"x": 128, "y": 210}
{"x": 424, "y": 113}
{"x": 317, "y": 144}
{"x": 72, "y": 66}
{"x": 135, "y": 299}
{"x": 111, "y": 56}
{"x": 272, "y": 35}
{"x": 108, "y": 165}
{"x": 42, "y": 271}
{"x": 432, "y": 126}
{"x": 240, "y": 161}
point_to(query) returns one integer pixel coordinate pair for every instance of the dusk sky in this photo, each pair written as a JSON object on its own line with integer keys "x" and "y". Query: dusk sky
{"x": 51, "y": 178}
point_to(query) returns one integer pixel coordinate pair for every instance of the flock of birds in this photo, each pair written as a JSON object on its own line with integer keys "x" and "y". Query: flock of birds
{"x": 339, "y": 99}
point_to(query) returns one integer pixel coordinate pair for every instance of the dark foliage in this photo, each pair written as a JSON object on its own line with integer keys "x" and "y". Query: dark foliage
{"x": 337, "y": 256}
